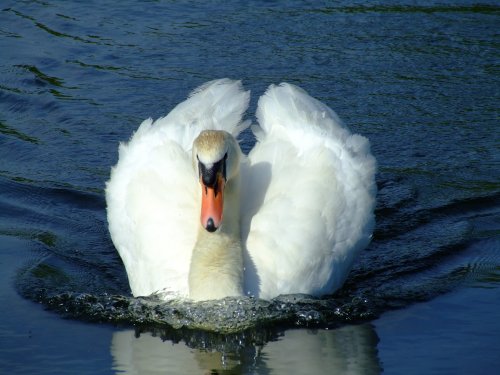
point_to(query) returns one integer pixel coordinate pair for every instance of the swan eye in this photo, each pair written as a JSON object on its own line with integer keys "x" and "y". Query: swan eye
{"x": 199, "y": 166}
{"x": 224, "y": 167}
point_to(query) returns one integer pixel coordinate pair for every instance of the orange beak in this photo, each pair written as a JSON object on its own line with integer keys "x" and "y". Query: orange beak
{"x": 212, "y": 201}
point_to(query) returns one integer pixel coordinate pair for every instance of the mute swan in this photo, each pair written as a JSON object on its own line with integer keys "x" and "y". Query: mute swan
{"x": 192, "y": 217}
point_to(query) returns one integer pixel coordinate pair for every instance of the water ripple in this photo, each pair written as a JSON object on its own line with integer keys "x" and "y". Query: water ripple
{"x": 418, "y": 80}
{"x": 86, "y": 280}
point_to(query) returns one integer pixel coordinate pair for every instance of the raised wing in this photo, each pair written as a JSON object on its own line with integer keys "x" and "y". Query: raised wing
{"x": 153, "y": 194}
{"x": 308, "y": 198}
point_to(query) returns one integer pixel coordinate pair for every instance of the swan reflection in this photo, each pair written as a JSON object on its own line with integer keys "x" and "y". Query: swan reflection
{"x": 347, "y": 350}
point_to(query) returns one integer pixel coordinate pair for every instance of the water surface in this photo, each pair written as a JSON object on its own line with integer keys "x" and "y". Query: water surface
{"x": 421, "y": 82}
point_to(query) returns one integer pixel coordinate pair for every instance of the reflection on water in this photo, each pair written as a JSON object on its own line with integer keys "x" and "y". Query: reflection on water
{"x": 346, "y": 350}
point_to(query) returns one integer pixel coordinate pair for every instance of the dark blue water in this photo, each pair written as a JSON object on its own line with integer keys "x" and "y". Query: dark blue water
{"x": 420, "y": 81}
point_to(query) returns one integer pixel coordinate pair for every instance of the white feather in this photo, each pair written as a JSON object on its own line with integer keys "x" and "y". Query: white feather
{"x": 307, "y": 193}
{"x": 152, "y": 196}
{"x": 308, "y": 198}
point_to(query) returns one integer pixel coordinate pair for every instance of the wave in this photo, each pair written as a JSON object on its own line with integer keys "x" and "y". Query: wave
{"x": 81, "y": 276}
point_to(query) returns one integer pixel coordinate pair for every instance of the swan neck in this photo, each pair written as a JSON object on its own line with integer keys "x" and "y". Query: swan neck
{"x": 216, "y": 269}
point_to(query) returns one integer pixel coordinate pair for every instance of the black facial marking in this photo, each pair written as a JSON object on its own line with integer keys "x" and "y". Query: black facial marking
{"x": 209, "y": 175}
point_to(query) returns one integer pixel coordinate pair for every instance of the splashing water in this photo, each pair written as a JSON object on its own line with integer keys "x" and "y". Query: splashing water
{"x": 429, "y": 252}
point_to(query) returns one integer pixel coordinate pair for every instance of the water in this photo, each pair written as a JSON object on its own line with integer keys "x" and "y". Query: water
{"x": 421, "y": 82}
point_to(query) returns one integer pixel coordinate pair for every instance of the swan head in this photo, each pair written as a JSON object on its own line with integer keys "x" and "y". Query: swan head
{"x": 216, "y": 157}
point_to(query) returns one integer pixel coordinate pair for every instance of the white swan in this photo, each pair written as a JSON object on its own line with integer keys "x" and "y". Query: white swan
{"x": 192, "y": 217}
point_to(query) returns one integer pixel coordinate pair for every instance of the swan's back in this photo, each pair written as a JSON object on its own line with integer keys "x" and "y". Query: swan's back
{"x": 153, "y": 197}
{"x": 308, "y": 197}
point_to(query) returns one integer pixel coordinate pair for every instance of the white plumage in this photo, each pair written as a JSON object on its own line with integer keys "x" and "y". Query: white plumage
{"x": 307, "y": 194}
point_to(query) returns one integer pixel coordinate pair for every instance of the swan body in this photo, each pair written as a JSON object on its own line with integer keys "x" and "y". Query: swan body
{"x": 192, "y": 217}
